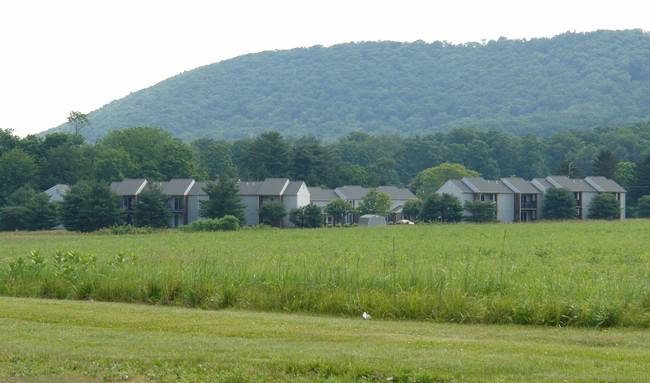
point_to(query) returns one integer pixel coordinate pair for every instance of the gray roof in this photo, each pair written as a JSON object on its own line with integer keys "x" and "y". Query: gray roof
{"x": 272, "y": 186}
{"x": 197, "y": 188}
{"x": 460, "y": 185}
{"x": 521, "y": 185}
{"x": 129, "y": 186}
{"x": 573, "y": 184}
{"x": 354, "y": 192}
{"x": 176, "y": 187}
{"x": 603, "y": 184}
{"x": 481, "y": 185}
{"x": 293, "y": 188}
{"x": 396, "y": 193}
{"x": 249, "y": 187}
{"x": 544, "y": 183}
{"x": 320, "y": 194}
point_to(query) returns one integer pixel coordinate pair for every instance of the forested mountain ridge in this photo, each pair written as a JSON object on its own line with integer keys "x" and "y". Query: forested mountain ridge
{"x": 539, "y": 86}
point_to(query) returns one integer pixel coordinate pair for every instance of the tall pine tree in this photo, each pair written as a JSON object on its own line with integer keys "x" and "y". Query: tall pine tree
{"x": 604, "y": 164}
{"x": 223, "y": 200}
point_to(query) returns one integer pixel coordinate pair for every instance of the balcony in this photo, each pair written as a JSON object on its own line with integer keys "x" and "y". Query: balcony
{"x": 529, "y": 204}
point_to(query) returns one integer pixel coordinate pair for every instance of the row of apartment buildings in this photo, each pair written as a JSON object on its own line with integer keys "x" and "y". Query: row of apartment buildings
{"x": 518, "y": 200}
{"x": 185, "y": 196}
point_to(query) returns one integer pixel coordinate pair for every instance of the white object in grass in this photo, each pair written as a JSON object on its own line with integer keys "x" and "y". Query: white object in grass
{"x": 366, "y": 315}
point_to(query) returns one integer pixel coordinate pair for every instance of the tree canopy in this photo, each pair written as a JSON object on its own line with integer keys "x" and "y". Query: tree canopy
{"x": 559, "y": 203}
{"x": 539, "y": 86}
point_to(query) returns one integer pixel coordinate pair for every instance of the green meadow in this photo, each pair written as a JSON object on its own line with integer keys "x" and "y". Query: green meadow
{"x": 546, "y": 302}
{"x": 586, "y": 274}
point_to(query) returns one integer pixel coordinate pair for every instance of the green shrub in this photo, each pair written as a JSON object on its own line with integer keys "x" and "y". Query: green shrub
{"x": 227, "y": 223}
{"x": 124, "y": 230}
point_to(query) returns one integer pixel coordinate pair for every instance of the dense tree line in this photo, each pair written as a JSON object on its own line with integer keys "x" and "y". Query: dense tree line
{"x": 538, "y": 86}
{"x": 37, "y": 163}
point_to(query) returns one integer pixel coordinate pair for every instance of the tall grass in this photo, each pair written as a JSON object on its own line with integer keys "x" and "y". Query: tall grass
{"x": 555, "y": 274}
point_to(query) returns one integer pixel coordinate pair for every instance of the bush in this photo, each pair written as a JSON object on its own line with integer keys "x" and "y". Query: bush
{"x": 604, "y": 206}
{"x": 124, "y": 230}
{"x": 227, "y": 223}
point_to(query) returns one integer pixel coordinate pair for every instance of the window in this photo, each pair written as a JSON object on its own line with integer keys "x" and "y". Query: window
{"x": 178, "y": 203}
{"x": 178, "y": 220}
{"x": 127, "y": 203}
{"x": 488, "y": 197}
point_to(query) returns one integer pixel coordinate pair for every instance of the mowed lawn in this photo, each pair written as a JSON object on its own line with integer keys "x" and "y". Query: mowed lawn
{"x": 61, "y": 341}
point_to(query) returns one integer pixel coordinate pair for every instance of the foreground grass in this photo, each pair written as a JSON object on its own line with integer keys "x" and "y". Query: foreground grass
{"x": 594, "y": 274}
{"x": 90, "y": 341}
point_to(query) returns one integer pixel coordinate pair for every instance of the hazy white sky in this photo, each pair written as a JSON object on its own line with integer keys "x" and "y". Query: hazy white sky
{"x": 64, "y": 55}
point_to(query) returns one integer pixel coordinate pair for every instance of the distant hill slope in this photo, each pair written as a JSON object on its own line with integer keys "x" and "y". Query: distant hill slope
{"x": 516, "y": 86}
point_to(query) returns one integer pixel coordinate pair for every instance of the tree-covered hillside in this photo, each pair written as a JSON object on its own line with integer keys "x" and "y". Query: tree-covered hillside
{"x": 539, "y": 86}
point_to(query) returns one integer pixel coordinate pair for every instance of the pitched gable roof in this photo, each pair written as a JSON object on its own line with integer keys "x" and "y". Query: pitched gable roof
{"x": 520, "y": 185}
{"x": 294, "y": 187}
{"x": 129, "y": 186}
{"x": 176, "y": 186}
{"x": 197, "y": 188}
{"x": 249, "y": 187}
{"x": 396, "y": 193}
{"x": 354, "y": 192}
{"x": 273, "y": 186}
{"x": 481, "y": 185}
{"x": 604, "y": 184}
{"x": 573, "y": 184}
{"x": 320, "y": 194}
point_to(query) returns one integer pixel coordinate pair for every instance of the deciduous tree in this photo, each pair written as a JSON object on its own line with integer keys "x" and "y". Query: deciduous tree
{"x": 375, "y": 202}
{"x": 338, "y": 208}
{"x": 309, "y": 216}
{"x": 272, "y": 213}
{"x": 412, "y": 208}
{"x": 428, "y": 181}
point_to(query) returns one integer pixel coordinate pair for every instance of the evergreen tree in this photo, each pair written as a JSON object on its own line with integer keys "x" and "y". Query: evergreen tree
{"x": 17, "y": 168}
{"x": 90, "y": 206}
{"x": 559, "y": 203}
{"x": 604, "y": 206}
{"x": 223, "y": 200}
{"x": 309, "y": 216}
{"x": 604, "y": 164}
{"x": 568, "y": 168}
{"x": 643, "y": 206}
{"x": 441, "y": 208}
{"x": 29, "y": 210}
{"x": 268, "y": 156}
{"x": 641, "y": 185}
{"x": 152, "y": 209}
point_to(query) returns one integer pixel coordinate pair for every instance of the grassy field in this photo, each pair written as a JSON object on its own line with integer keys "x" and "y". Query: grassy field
{"x": 593, "y": 274}
{"x": 63, "y": 341}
